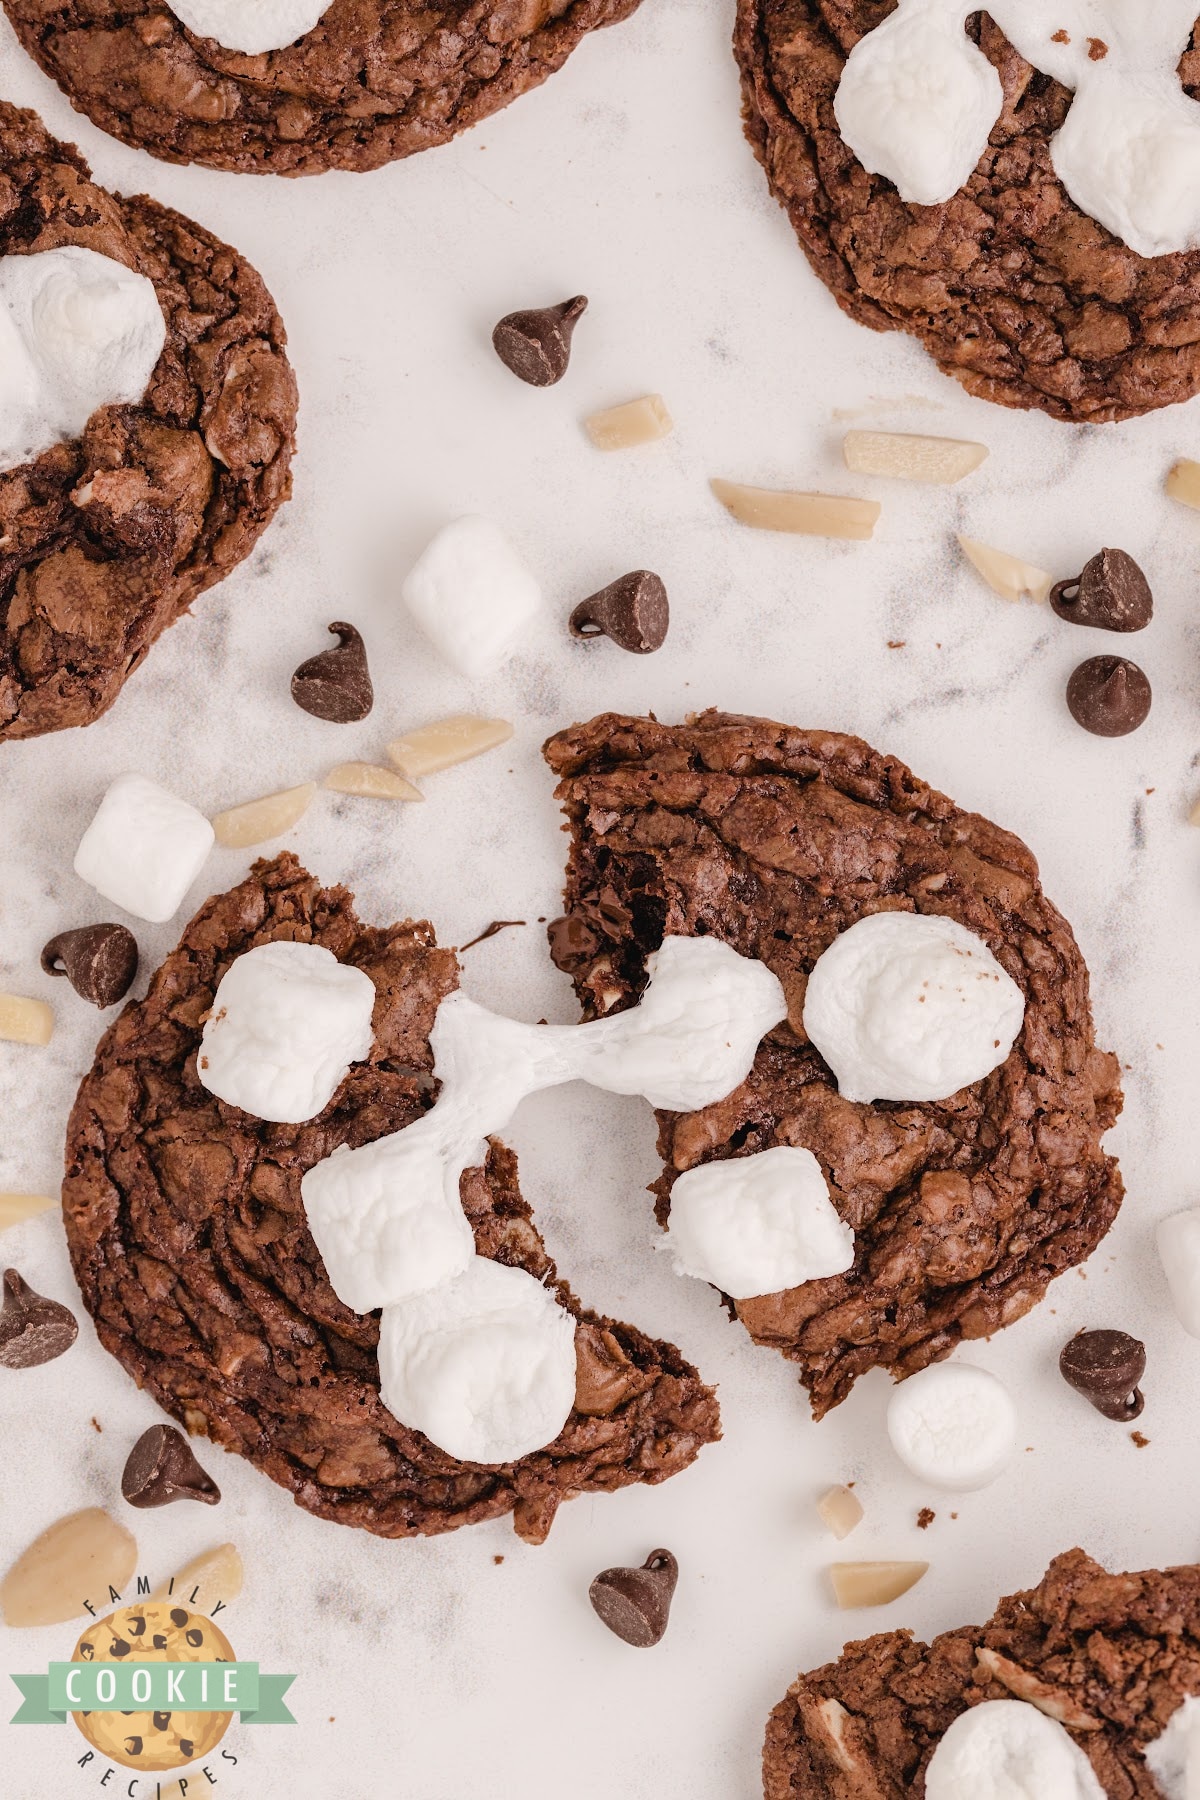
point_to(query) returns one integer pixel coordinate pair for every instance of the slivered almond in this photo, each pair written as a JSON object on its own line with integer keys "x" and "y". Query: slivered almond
{"x": 371, "y": 782}
{"x": 1055, "y": 1702}
{"x": 25, "y": 1021}
{"x": 1194, "y": 815}
{"x": 841, "y": 1510}
{"x": 906, "y": 456}
{"x": 254, "y": 821}
{"x": 15, "y": 1208}
{"x": 1009, "y": 576}
{"x": 635, "y": 422}
{"x": 873, "y": 1583}
{"x": 215, "y": 1575}
{"x": 75, "y": 1559}
{"x": 1183, "y": 483}
{"x": 807, "y": 515}
{"x": 446, "y": 742}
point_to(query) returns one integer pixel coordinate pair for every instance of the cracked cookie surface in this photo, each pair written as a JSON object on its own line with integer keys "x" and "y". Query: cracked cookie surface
{"x": 192, "y": 1250}
{"x": 1010, "y": 287}
{"x": 775, "y": 840}
{"x": 107, "y": 539}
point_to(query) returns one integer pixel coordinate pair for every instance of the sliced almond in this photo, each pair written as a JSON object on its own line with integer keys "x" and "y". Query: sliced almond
{"x": 76, "y": 1559}
{"x": 371, "y": 782}
{"x": 1054, "y": 1701}
{"x": 1009, "y": 576}
{"x": 254, "y": 821}
{"x": 807, "y": 515}
{"x": 873, "y": 1583}
{"x": 906, "y": 456}
{"x": 215, "y": 1575}
{"x": 24, "y": 1021}
{"x": 828, "y": 1720}
{"x": 625, "y": 427}
{"x": 1183, "y": 483}
{"x": 445, "y": 743}
{"x": 1194, "y": 815}
{"x": 15, "y": 1208}
{"x": 841, "y": 1510}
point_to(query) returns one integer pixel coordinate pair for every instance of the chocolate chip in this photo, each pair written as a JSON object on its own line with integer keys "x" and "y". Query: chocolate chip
{"x": 633, "y": 612}
{"x": 33, "y": 1330}
{"x": 118, "y": 1648}
{"x": 100, "y": 961}
{"x": 194, "y": 1638}
{"x": 1111, "y": 594}
{"x": 161, "y": 1468}
{"x": 159, "y": 1641}
{"x": 636, "y": 1603}
{"x": 536, "y": 345}
{"x": 336, "y": 685}
{"x": 133, "y": 1746}
{"x": 136, "y": 1627}
{"x": 1109, "y": 696}
{"x": 186, "y": 1747}
{"x": 1106, "y": 1367}
{"x": 178, "y": 1616}
{"x": 160, "y": 1720}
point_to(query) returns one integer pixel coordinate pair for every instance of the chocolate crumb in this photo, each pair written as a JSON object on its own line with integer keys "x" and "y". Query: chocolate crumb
{"x": 925, "y": 1518}
{"x": 1097, "y": 49}
{"x": 1142, "y": 1442}
{"x": 490, "y": 931}
{"x": 96, "y": 1425}
{"x": 497, "y": 1560}
{"x": 1060, "y": 37}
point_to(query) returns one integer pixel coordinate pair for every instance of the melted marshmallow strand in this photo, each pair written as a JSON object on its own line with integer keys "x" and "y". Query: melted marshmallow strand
{"x": 918, "y": 101}
{"x": 1008, "y": 1750}
{"x": 908, "y": 1006}
{"x": 78, "y": 331}
{"x": 251, "y": 26}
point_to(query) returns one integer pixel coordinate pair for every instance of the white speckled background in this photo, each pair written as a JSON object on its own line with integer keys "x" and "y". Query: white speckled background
{"x": 426, "y": 1672}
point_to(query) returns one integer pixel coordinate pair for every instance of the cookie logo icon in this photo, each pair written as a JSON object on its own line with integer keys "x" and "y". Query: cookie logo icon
{"x": 160, "y": 1738}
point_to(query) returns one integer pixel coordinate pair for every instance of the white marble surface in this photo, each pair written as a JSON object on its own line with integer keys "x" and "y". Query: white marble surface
{"x": 427, "y": 1671}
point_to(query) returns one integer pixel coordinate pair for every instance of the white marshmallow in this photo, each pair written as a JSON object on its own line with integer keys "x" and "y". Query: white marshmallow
{"x": 484, "y": 1366}
{"x": 287, "y": 1021}
{"x": 472, "y": 595}
{"x": 78, "y": 331}
{"x": 691, "y": 1040}
{"x": 1178, "y": 1241}
{"x": 1008, "y": 1750}
{"x": 1174, "y": 1757}
{"x": 379, "y": 1214}
{"x": 952, "y": 1425}
{"x": 757, "y": 1224}
{"x": 251, "y": 26}
{"x": 144, "y": 848}
{"x": 917, "y": 102}
{"x": 908, "y": 1006}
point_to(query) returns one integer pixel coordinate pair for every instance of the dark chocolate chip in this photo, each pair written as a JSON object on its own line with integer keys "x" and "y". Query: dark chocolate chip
{"x": 336, "y": 685}
{"x": 161, "y": 1468}
{"x": 100, "y": 961}
{"x": 137, "y": 1627}
{"x": 490, "y": 931}
{"x": 194, "y": 1638}
{"x": 133, "y": 1746}
{"x": 159, "y": 1641}
{"x": 1106, "y": 1367}
{"x": 633, "y": 612}
{"x": 178, "y": 1616}
{"x": 185, "y": 1747}
{"x": 536, "y": 345}
{"x": 636, "y": 1603}
{"x": 572, "y": 942}
{"x": 87, "y": 1651}
{"x": 160, "y": 1720}
{"x": 118, "y": 1648}
{"x": 33, "y": 1330}
{"x": 1109, "y": 696}
{"x": 1111, "y": 594}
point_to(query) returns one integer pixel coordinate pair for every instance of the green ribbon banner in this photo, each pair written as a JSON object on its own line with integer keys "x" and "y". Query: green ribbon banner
{"x": 204, "y": 1687}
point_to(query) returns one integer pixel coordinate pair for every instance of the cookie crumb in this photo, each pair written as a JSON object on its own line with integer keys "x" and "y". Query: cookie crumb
{"x": 925, "y": 1518}
{"x": 1060, "y": 37}
{"x": 497, "y": 1560}
{"x": 897, "y": 643}
{"x": 96, "y": 1425}
{"x": 1097, "y": 49}
{"x": 1140, "y": 1439}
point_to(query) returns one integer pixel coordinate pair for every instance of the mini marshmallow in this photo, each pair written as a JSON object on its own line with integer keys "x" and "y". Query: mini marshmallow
{"x": 1173, "y": 1758}
{"x": 379, "y": 1214}
{"x": 1008, "y": 1750}
{"x": 144, "y": 848}
{"x": 757, "y": 1224}
{"x": 472, "y": 595}
{"x": 484, "y": 1366}
{"x": 251, "y": 26}
{"x": 1178, "y": 1241}
{"x": 78, "y": 331}
{"x": 287, "y": 1022}
{"x": 952, "y": 1425}
{"x": 909, "y": 1006}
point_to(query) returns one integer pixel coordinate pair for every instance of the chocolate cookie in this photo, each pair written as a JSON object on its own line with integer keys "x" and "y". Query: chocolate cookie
{"x": 1111, "y": 1657}
{"x": 374, "y": 81}
{"x": 1010, "y": 287}
{"x": 776, "y": 840}
{"x": 107, "y": 540}
{"x": 192, "y": 1250}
